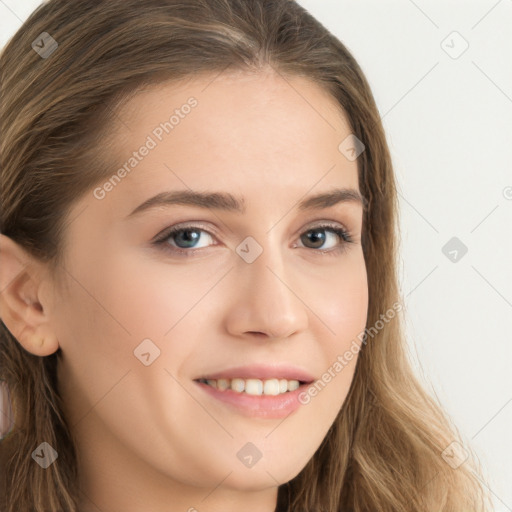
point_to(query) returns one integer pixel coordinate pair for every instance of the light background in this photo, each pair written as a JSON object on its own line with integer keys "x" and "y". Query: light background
{"x": 449, "y": 126}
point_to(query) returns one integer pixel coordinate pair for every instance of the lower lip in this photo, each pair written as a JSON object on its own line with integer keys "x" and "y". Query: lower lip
{"x": 258, "y": 406}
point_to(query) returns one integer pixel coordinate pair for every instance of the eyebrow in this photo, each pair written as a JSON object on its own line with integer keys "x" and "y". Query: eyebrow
{"x": 228, "y": 202}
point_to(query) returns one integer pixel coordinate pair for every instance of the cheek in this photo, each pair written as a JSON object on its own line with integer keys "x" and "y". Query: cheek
{"x": 94, "y": 355}
{"x": 107, "y": 309}
{"x": 344, "y": 308}
{"x": 343, "y": 302}
{"x": 150, "y": 297}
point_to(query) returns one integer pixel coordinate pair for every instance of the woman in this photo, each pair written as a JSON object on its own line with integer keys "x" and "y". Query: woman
{"x": 200, "y": 307}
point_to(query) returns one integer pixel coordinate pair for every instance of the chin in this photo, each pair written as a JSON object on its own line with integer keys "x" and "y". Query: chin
{"x": 263, "y": 476}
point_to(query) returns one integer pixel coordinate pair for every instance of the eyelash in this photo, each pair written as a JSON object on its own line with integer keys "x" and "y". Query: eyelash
{"x": 342, "y": 234}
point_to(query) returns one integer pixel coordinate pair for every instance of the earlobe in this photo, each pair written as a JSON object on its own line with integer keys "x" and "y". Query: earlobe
{"x": 40, "y": 341}
{"x": 20, "y": 308}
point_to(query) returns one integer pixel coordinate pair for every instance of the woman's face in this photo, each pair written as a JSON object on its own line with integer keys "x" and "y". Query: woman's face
{"x": 252, "y": 284}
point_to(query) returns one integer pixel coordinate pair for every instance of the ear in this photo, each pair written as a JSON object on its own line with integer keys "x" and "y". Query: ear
{"x": 24, "y": 306}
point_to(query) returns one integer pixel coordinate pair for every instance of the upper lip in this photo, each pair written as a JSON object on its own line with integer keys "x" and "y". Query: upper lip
{"x": 261, "y": 371}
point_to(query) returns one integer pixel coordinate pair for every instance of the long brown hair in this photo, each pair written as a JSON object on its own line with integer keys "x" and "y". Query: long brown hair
{"x": 384, "y": 450}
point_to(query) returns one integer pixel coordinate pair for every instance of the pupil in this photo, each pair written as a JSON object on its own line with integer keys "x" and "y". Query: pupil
{"x": 185, "y": 235}
{"x": 316, "y": 236}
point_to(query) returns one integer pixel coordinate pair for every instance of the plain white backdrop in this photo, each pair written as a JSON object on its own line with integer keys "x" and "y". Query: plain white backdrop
{"x": 441, "y": 73}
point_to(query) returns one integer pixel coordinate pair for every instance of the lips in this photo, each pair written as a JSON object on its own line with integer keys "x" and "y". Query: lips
{"x": 262, "y": 372}
{"x": 261, "y": 397}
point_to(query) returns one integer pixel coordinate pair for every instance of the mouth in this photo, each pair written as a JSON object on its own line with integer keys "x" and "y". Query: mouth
{"x": 263, "y": 391}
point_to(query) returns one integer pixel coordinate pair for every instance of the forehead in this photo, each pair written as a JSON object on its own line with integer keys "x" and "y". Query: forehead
{"x": 240, "y": 125}
{"x": 270, "y": 140}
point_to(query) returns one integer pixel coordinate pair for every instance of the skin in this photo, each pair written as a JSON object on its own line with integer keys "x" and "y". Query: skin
{"x": 147, "y": 437}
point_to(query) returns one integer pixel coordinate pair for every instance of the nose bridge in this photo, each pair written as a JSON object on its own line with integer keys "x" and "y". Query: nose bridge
{"x": 266, "y": 301}
{"x": 268, "y": 264}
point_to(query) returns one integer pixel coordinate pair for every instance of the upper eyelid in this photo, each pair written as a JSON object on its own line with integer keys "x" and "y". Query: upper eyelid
{"x": 198, "y": 225}
{"x": 183, "y": 226}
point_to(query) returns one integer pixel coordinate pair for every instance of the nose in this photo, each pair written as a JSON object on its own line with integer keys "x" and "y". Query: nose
{"x": 267, "y": 299}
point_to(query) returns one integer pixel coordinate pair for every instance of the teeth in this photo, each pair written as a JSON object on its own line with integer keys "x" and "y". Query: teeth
{"x": 223, "y": 384}
{"x": 271, "y": 387}
{"x": 238, "y": 385}
{"x": 293, "y": 385}
{"x": 254, "y": 386}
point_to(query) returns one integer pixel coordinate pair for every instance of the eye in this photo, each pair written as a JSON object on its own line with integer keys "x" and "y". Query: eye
{"x": 334, "y": 236}
{"x": 185, "y": 239}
